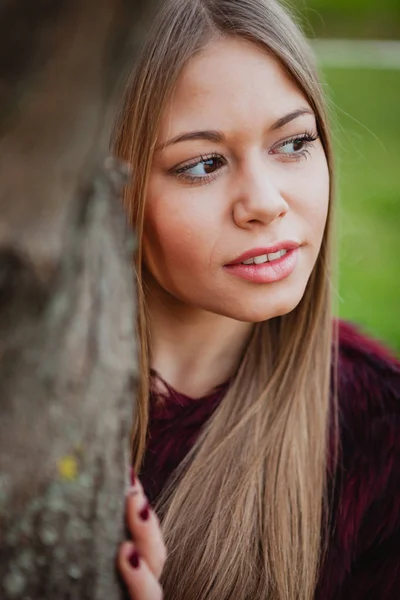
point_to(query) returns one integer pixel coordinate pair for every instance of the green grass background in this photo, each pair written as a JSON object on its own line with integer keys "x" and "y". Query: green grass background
{"x": 349, "y": 18}
{"x": 367, "y": 144}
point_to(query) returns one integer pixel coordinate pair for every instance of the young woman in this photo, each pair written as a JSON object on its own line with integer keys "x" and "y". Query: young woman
{"x": 267, "y": 435}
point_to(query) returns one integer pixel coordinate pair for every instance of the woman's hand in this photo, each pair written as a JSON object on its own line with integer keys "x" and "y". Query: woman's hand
{"x": 141, "y": 561}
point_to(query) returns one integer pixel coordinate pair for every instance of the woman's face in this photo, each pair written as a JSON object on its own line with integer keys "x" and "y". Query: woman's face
{"x": 238, "y": 173}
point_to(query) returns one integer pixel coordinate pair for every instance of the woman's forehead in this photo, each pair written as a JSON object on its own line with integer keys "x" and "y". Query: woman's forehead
{"x": 230, "y": 80}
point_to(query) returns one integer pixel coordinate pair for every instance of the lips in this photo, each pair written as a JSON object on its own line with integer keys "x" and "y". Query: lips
{"x": 262, "y": 270}
{"x": 285, "y": 245}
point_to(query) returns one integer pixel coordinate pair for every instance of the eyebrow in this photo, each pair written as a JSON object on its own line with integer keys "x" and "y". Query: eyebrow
{"x": 218, "y": 136}
{"x": 290, "y": 117}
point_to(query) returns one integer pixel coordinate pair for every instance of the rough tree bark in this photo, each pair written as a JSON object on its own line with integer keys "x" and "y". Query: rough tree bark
{"x": 67, "y": 352}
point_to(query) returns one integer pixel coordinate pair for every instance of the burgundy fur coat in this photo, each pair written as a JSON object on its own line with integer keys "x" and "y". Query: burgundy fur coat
{"x": 363, "y": 560}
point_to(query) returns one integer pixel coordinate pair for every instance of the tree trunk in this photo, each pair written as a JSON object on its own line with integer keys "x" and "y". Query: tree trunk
{"x": 67, "y": 349}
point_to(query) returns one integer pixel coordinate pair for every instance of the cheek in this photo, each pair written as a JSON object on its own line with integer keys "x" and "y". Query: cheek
{"x": 314, "y": 191}
{"x": 174, "y": 244}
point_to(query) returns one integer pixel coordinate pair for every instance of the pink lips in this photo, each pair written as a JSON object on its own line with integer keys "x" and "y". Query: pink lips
{"x": 270, "y": 271}
{"x": 287, "y": 245}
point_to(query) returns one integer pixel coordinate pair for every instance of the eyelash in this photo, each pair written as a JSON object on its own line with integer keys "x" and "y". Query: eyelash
{"x": 180, "y": 171}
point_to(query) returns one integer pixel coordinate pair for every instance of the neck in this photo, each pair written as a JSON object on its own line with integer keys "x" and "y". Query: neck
{"x": 191, "y": 349}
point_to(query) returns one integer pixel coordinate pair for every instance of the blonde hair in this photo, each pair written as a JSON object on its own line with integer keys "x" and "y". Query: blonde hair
{"x": 245, "y": 515}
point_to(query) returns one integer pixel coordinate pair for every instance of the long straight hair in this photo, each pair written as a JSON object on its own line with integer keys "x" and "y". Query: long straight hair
{"x": 244, "y": 515}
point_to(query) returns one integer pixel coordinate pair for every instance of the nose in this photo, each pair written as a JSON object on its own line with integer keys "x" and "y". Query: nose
{"x": 257, "y": 199}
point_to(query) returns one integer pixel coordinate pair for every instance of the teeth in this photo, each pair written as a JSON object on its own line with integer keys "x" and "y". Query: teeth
{"x": 275, "y": 255}
{"x": 258, "y": 260}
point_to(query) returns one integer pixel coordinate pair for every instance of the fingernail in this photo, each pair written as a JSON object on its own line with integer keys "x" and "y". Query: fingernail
{"x": 134, "y": 560}
{"x": 133, "y": 476}
{"x": 145, "y": 512}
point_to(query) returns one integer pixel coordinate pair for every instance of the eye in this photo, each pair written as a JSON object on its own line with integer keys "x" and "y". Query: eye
{"x": 201, "y": 169}
{"x": 204, "y": 167}
{"x": 296, "y": 147}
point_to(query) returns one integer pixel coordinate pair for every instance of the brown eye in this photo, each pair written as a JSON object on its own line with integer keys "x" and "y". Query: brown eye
{"x": 296, "y": 148}
{"x": 202, "y": 168}
{"x": 293, "y": 146}
{"x": 298, "y": 145}
{"x": 210, "y": 165}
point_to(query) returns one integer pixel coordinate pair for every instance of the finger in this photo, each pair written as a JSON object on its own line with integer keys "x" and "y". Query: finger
{"x": 139, "y": 580}
{"x": 145, "y": 529}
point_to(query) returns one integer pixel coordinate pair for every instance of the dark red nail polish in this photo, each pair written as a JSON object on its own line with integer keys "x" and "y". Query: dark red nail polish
{"x": 133, "y": 476}
{"x": 134, "y": 559}
{"x": 145, "y": 512}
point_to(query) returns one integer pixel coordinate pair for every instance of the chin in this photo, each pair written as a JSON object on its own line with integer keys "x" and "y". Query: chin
{"x": 255, "y": 316}
{"x": 264, "y": 308}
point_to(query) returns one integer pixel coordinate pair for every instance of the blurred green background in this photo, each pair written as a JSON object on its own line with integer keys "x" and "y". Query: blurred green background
{"x": 379, "y": 19}
{"x": 365, "y": 99}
